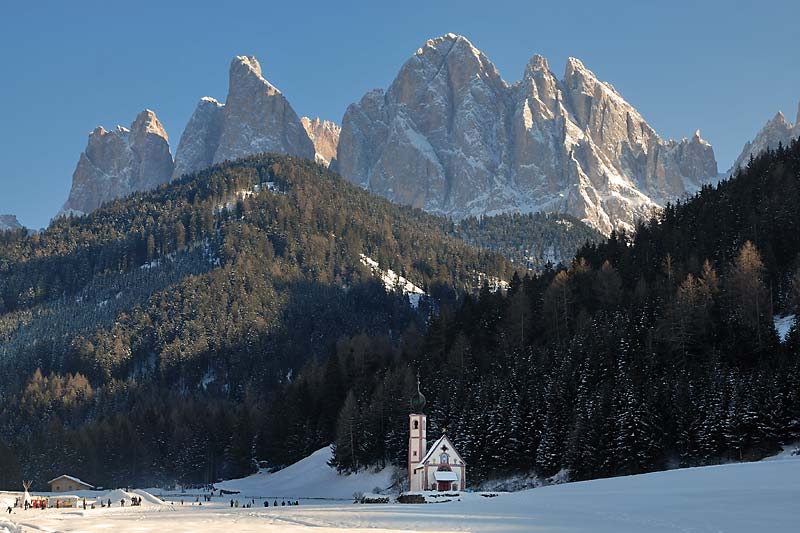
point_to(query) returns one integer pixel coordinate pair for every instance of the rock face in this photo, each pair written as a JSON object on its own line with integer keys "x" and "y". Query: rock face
{"x": 200, "y": 138}
{"x": 255, "y": 118}
{"x": 452, "y": 137}
{"x": 776, "y": 131}
{"x": 325, "y": 136}
{"x": 9, "y": 222}
{"x": 119, "y": 162}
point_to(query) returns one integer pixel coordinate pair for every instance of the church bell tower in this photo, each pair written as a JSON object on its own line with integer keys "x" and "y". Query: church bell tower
{"x": 417, "y": 440}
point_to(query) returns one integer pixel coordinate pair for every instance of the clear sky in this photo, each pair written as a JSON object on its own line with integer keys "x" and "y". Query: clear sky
{"x": 724, "y": 67}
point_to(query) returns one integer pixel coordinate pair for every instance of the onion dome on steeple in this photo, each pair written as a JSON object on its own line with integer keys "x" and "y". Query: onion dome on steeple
{"x": 418, "y": 400}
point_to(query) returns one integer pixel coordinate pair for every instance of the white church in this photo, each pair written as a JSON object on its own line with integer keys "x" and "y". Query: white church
{"x": 438, "y": 468}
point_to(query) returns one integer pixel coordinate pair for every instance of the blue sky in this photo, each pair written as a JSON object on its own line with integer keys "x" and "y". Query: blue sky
{"x": 722, "y": 67}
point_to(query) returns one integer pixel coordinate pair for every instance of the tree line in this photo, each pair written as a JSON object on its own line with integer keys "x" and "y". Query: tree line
{"x": 649, "y": 350}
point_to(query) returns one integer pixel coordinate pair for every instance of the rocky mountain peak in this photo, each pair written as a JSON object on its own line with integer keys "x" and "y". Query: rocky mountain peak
{"x": 119, "y": 162}
{"x": 255, "y": 118}
{"x": 246, "y": 63}
{"x": 147, "y": 122}
{"x": 537, "y": 63}
{"x": 325, "y": 136}
{"x": 575, "y": 67}
{"x": 453, "y": 56}
{"x": 579, "y": 78}
{"x": 245, "y": 74}
{"x": 776, "y": 131}
{"x": 200, "y": 138}
{"x": 778, "y": 120}
{"x": 446, "y": 41}
{"x": 451, "y": 136}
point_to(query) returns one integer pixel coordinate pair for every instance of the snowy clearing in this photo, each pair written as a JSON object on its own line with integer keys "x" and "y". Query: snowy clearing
{"x": 309, "y": 478}
{"x": 783, "y": 324}
{"x": 392, "y": 281}
{"x": 745, "y": 497}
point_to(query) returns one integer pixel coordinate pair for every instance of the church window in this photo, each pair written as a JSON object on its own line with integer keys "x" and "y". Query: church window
{"x": 416, "y": 424}
{"x": 415, "y": 454}
{"x": 444, "y": 459}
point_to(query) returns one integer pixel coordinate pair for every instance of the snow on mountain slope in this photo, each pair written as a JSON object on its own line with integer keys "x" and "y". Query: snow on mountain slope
{"x": 309, "y": 478}
{"x": 392, "y": 281}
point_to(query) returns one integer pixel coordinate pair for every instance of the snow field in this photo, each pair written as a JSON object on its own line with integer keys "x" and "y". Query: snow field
{"x": 745, "y": 497}
{"x": 309, "y": 478}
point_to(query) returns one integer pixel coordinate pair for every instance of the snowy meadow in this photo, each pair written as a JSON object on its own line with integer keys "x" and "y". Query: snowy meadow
{"x": 745, "y": 497}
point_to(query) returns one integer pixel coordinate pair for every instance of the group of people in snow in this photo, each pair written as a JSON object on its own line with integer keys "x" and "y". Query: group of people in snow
{"x": 252, "y": 502}
{"x": 42, "y": 503}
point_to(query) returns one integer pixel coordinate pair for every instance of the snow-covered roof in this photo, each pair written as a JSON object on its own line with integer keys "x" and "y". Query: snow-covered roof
{"x": 71, "y": 478}
{"x": 437, "y": 445}
{"x": 445, "y": 475}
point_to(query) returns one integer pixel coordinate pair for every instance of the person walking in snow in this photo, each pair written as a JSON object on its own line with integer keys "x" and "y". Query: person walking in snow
{"x": 231, "y": 503}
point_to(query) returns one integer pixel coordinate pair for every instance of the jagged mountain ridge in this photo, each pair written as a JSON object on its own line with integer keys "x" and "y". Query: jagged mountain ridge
{"x": 119, "y": 162}
{"x": 255, "y": 118}
{"x": 449, "y": 136}
{"x": 775, "y": 132}
{"x": 325, "y": 136}
{"x": 452, "y": 137}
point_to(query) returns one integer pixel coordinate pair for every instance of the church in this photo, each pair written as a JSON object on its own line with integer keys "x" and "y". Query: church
{"x": 438, "y": 468}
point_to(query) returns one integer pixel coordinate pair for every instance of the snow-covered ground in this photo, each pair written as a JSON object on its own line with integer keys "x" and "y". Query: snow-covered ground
{"x": 784, "y": 324}
{"x": 393, "y": 281}
{"x": 748, "y": 497}
{"x": 310, "y": 478}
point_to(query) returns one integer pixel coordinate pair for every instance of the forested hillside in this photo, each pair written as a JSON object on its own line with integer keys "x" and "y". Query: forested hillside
{"x": 532, "y": 241}
{"x": 243, "y": 326}
{"x": 650, "y": 351}
{"x": 141, "y": 343}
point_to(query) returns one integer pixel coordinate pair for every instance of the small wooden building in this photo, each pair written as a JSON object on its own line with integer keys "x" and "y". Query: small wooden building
{"x": 66, "y": 483}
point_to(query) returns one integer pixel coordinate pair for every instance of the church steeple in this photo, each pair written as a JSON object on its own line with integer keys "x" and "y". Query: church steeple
{"x": 418, "y": 401}
{"x": 417, "y": 439}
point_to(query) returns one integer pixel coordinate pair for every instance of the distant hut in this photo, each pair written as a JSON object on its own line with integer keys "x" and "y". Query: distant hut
{"x": 66, "y": 483}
